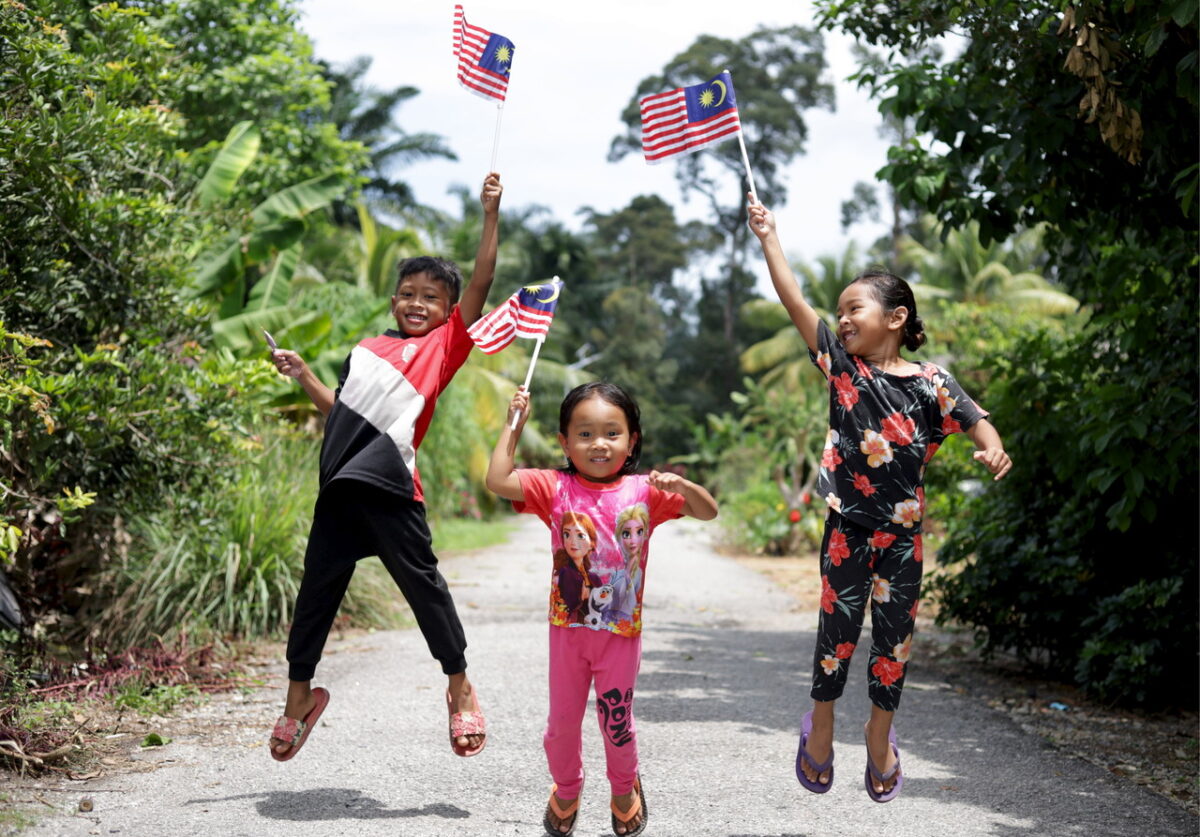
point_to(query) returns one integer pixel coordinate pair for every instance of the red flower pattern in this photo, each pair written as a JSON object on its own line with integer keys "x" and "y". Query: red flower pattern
{"x": 847, "y": 393}
{"x": 830, "y": 458}
{"x": 837, "y": 547}
{"x": 881, "y": 540}
{"x": 949, "y": 425}
{"x": 899, "y": 429}
{"x": 844, "y": 650}
{"x": 888, "y": 671}
{"x": 918, "y": 550}
{"x": 863, "y": 369}
{"x": 828, "y": 595}
{"x": 931, "y": 450}
{"x": 863, "y": 484}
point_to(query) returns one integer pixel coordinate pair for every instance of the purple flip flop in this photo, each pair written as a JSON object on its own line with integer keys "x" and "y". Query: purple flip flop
{"x": 873, "y": 772}
{"x": 817, "y": 767}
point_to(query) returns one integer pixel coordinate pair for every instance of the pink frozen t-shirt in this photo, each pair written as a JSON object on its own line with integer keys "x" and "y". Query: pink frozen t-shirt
{"x": 599, "y": 534}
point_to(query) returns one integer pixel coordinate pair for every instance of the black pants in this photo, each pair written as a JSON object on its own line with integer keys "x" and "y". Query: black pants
{"x": 353, "y": 520}
{"x": 860, "y": 565}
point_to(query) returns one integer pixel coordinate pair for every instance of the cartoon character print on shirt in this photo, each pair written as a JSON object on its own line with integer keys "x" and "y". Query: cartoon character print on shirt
{"x": 632, "y": 531}
{"x": 615, "y": 710}
{"x": 575, "y": 580}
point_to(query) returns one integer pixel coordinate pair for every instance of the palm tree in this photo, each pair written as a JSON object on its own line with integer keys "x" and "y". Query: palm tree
{"x": 964, "y": 269}
{"x": 782, "y": 359}
{"x": 365, "y": 114}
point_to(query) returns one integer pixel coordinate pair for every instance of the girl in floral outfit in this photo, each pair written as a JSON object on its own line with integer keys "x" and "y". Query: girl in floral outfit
{"x": 887, "y": 418}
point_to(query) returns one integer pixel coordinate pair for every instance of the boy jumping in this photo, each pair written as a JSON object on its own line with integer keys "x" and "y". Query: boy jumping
{"x": 370, "y": 500}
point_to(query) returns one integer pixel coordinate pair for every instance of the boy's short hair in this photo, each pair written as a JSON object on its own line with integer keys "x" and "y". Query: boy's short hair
{"x": 443, "y": 270}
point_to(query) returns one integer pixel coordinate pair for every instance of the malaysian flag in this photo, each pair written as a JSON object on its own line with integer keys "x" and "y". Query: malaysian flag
{"x": 527, "y": 313}
{"x": 688, "y": 119}
{"x": 484, "y": 58}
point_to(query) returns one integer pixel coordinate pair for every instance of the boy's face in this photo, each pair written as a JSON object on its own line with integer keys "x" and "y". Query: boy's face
{"x": 421, "y": 304}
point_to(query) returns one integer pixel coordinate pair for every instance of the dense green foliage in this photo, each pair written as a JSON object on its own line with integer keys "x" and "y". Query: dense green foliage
{"x": 1083, "y": 118}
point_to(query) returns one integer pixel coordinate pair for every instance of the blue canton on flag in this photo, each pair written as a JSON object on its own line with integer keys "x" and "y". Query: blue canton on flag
{"x": 484, "y": 58}
{"x": 527, "y": 313}
{"x": 687, "y": 119}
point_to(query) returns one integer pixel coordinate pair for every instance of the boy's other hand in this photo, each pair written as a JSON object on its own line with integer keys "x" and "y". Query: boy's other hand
{"x": 762, "y": 220}
{"x": 492, "y": 190}
{"x": 288, "y": 363}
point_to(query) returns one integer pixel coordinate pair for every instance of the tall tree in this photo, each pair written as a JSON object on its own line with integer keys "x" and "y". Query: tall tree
{"x": 1083, "y": 117}
{"x": 366, "y": 115}
{"x": 778, "y": 73}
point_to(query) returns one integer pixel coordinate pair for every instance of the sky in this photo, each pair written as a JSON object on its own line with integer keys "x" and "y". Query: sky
{"x": 575, "y": 67}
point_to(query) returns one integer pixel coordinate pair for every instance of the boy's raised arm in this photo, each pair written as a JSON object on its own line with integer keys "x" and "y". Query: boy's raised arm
{"x": 502, "y": 477}
{"x": 476, "y": 292}
{"x": 762, "y": 224}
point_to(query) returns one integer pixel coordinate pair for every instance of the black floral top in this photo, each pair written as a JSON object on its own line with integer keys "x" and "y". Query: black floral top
{"x": 883, "y": 430}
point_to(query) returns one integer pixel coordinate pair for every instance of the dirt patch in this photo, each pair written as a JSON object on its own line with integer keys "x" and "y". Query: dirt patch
{"x": 1159, "y": 751}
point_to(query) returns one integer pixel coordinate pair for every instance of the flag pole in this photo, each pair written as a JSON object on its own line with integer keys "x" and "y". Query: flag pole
{"x": 537, "y": 347}
{"x": 496, "y": 138}
{"x": 745, "y": 157}
{"x": 746, "y": 163}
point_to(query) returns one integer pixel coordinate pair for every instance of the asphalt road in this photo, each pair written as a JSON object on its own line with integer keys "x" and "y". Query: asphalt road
{"x": 723, "y": 685}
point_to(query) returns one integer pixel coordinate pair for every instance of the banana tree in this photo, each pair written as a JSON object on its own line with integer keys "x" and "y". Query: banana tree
{"x": 249, "y": 272}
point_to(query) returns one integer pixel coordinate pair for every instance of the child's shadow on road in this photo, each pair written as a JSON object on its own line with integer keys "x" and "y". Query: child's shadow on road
{"x": 319, "y": 804}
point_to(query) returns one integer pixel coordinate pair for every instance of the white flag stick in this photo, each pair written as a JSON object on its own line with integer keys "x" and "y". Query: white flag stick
{"x": 529, "y": 375}
{"x": 746, "y": 158}
{"x": 496, "y": 138}
{"x": 746, "y": 163}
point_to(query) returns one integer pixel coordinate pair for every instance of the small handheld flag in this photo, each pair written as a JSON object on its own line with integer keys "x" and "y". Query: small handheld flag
{"x": 484, "y": 58}
{"x": 687, "y": 119}
{"x": 527, "y": 313}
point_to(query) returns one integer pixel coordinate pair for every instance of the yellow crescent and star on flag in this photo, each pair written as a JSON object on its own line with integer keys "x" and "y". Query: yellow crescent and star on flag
{"x": 535, "y": 289}
{"x": 708, "y": 96}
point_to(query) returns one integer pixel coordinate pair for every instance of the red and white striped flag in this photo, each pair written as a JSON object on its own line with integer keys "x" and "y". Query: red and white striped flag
{"x": 527, "y": 313}
{"x": 484, "y": 58}
{"x": 687, "y": 119}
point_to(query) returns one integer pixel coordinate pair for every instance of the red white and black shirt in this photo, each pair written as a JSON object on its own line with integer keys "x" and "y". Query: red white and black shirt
{"x": 883, "y": 430}
{"x": 384, "y": 403}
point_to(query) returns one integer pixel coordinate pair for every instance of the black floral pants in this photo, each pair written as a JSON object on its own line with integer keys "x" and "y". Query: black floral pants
{"x": 860, "y": 565}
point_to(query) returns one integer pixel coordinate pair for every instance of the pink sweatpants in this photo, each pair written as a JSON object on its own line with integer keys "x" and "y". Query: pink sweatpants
{"x": 577, "y": 657}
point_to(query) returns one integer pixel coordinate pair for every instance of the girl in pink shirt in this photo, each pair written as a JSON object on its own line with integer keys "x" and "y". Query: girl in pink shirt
{"x": 601, "y": 515}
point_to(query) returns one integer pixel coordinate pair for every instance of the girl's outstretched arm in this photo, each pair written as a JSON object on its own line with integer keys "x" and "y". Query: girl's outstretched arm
{"x": 762, "y": 224}
{"x": 697, "y": 502}
{"x": 990, "y": 448}
{"x": 502, "y": 476}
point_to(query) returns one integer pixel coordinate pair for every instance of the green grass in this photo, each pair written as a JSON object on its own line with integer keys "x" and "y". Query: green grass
{"x": 462, "y": 534}
{"x": 12, "y": 819}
